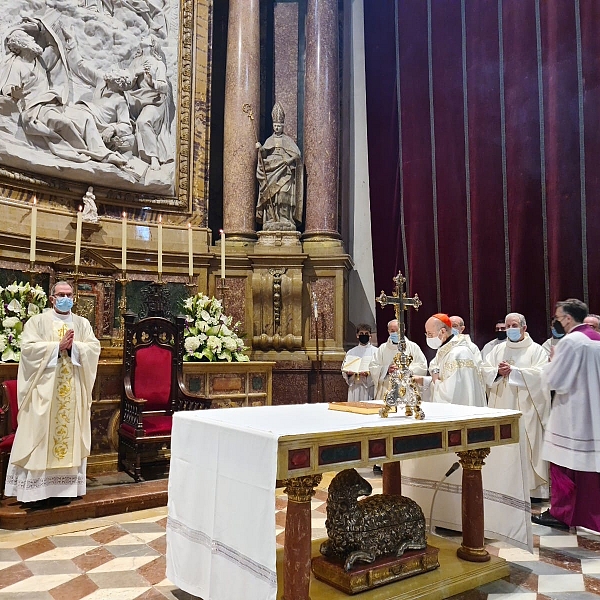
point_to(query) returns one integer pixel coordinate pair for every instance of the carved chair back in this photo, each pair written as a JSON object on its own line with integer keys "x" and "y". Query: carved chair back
{"x": 152, "y": 355}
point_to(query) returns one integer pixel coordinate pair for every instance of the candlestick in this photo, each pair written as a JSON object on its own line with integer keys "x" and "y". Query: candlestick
{"x": 33, "y": 231}
{"x": 160, "y": 245}
{"x": 124, "y": 243}
{"x": 190, "y": 251}
{"x": 78, "y": 238}
{"x": 222, "y": 253}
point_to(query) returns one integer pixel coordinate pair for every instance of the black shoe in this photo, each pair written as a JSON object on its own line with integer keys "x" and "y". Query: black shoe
{"x": 548, "y": 520}
{"x": 377, "y": 470}
{"x": 537, "y": 500}
{"x": 55, "y": 502}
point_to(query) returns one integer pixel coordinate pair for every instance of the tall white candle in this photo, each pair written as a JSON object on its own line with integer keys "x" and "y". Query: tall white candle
{"x": 190, "y": 251}
{"x": 78, "y": 238}
{"x": 160, "y": 245}
{"x": 222, "y": 253}
{"x": 33, "y": 231}
{"x": 124, "y": 243}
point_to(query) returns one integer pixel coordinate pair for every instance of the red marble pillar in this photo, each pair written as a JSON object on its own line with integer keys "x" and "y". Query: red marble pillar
{"x": 296, "y": 548}
{"x": 321, "y": 119}
{"x": 472, "y": 548}
{"x": 242, "y": 86}
{"x": 391, "y": 478}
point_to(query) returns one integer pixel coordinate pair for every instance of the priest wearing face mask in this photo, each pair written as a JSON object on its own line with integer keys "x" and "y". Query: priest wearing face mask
{"x": 500, "y": 337}
{"x": 455, "y": 376}
{"x": 513, "y": 375}
{"x": 57, "y": 370}
{"x": 382, "y": 365}
{"x": 554, "y": 338}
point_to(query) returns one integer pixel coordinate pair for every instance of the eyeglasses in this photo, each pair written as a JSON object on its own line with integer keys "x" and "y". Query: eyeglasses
{"x": 63, "y": 294}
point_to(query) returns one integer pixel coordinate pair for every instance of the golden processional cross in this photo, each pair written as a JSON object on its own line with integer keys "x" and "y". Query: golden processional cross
{"x": 402, "y": 387}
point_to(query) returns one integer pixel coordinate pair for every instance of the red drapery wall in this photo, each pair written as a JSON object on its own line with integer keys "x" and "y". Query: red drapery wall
{"x": 483, "y": 121}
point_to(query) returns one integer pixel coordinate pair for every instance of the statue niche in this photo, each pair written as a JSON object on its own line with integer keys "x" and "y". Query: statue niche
{"x": 280, "y": 179}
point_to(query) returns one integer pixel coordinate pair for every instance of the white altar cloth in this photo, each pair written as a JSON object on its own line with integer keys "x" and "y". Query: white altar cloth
{"x": 221, "y": 509}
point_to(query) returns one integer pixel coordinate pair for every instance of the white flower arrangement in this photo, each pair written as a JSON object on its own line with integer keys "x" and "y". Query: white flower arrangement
{"x": 18, "y": 302}
{"x": 210, "y": 335}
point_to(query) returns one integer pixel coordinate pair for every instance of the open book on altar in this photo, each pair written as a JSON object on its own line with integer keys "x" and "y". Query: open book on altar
{"x": 357, "y": 364}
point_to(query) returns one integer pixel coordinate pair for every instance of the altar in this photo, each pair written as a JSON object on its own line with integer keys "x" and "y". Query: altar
{"x": 225, "y": 465}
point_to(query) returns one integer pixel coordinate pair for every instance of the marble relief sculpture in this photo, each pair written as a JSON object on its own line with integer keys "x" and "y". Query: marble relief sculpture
{"x": 86, "y": 91}
{"x": 280, "y": 178}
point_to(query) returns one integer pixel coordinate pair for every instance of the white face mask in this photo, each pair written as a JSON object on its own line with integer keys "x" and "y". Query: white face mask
{"x": 434, "y": 343}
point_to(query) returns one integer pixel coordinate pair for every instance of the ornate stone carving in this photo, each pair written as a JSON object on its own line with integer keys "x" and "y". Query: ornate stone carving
{"x": 85, "y": 137}
{"x": 301, "y": 489}
{"x": 472, "y": 460}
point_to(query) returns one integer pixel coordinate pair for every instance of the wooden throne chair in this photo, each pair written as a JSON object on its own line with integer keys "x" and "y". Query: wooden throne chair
{"x": 153, "y": 390}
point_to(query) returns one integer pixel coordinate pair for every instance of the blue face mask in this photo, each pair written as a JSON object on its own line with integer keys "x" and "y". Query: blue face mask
{"x": 394, "y": 337}
{"x": 63, "y": 304}
{"x": 514, "y": 334}
{"x": 455, "y": 331}
{"x": 556, "y": 335}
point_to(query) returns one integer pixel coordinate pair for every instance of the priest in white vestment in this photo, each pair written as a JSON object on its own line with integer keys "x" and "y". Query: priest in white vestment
{"x": 500, "y": 337}
{"x": 513, "y": 375}
{"x": 57, "y": 370}
{"x": 456, "y": 379}
{"x": 383, "y": 365}
{"x": 355, "y": 368}
{"x": 458, "y": 328}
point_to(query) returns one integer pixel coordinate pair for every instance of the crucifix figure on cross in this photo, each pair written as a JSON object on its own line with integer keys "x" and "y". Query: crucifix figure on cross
{"x": 403, "y": 389}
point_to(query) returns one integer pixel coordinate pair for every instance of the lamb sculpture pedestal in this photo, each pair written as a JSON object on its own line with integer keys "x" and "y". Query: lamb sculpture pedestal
{"x": 381, "y": 572}
{"x": 371, "y": 542}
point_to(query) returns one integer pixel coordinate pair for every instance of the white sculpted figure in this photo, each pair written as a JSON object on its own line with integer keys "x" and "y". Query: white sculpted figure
{"x": 280, "y": 177}
{"x": 68, "y": 131}
{"x": 150, "y": 103}
{"x": 90, "y": 211}
{"x": 107, "y": 104}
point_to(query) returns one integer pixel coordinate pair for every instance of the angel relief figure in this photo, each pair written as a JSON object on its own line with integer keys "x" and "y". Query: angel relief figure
{"x": 35, "y": 79}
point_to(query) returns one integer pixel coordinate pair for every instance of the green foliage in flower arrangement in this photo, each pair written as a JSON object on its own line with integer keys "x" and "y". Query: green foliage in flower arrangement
{"x": 18, "y": 303}
{"x": 210, "y": 335}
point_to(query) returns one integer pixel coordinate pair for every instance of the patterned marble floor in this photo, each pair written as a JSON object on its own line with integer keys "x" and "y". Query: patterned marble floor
{"x": 123, "y": 558}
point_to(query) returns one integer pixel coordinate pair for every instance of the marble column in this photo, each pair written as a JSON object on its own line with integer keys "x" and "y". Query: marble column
{"x": 321, "y": 120}
{"x": 242, "y": 86}
{"x": 472, "y": 547}
{"x": 297, "y": 542}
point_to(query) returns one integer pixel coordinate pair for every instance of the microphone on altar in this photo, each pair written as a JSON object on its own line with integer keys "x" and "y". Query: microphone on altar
{"x": 455, "y": 466}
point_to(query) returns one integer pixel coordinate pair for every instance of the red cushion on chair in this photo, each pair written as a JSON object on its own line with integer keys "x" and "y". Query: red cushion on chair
{"x": 152, "y": 379}
{"x": 10, "y": 385}
{"x": 157, "y": 424}
{"x": 7, "y": 442}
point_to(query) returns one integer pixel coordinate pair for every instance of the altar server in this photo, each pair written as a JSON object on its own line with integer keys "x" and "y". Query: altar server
{"x": 57, "y": 370}
{"x": 355, "y": 368}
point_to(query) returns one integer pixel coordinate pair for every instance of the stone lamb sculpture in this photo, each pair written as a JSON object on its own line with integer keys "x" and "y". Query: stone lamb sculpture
{"x": 364, "y": 530}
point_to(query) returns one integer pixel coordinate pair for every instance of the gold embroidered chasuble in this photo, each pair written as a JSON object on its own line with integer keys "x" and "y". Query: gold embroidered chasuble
{"x": 54, "y": 394}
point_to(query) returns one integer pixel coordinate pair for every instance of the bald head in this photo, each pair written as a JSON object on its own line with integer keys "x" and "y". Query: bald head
{"x": 458, "y": 323}
{"x": 593, "y": 321}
